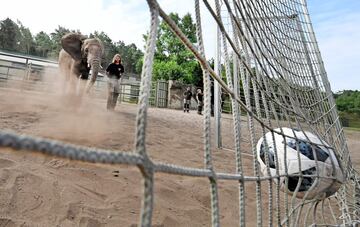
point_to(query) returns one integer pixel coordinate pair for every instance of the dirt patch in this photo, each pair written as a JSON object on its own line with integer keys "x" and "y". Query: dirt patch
{"x": 38, "y": 190}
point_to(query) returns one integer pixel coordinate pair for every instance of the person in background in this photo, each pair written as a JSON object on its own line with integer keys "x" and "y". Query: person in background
{"x": 114, "y": 72}
{"x": 199, "y": 98}
{"x": 187, "y": 98}
{"x": 223, "y": 96}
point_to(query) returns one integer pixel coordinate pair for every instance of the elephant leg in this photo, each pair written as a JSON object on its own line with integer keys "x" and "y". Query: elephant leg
{"x": 72, "y": 84}
{"x": 64, "y": 78}
{"x": 84, "y": 75}
{"x": 82, "y": 85}
{"x": 75, "y": 75}
{"x": 64, "y": 75}
{"x": 65, "y": 70}
{"x": 63, "y": 86}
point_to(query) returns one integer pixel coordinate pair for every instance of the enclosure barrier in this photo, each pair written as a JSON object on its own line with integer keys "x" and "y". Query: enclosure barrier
{"x": 28, "y": 74}
{"x": 275, "y": 38}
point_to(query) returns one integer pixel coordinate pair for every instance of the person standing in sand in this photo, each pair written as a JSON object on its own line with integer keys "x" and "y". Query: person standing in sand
{"x": 199, "y": 98}
{"x": 187, "y": 99}
{"x": 114, "y": 71}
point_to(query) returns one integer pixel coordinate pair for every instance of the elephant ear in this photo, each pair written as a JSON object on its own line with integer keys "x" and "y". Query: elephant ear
{"x": 72, "y": 43}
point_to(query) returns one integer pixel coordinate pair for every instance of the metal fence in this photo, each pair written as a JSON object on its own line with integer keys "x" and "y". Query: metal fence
{"x": 31, "y": 73}
{"x": 24, "y": 72}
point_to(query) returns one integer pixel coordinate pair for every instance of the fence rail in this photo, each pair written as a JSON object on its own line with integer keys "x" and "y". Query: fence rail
{"x": 28, "y": 73}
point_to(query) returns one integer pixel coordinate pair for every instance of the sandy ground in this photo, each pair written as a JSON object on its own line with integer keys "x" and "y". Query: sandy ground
{"x": 39, "y": 190}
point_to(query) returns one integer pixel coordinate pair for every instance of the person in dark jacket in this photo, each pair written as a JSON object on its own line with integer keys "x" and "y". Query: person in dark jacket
{"x": 114, "y": 72}
{"x": 187, "y": 99}
{"x": 199, "y": 98}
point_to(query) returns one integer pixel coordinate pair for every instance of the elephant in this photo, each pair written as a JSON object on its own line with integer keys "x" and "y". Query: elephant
{"x": 78, "y": 55}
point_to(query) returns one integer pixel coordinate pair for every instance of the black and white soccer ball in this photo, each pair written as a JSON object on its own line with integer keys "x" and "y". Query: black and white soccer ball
{"x": 309, "y": 145}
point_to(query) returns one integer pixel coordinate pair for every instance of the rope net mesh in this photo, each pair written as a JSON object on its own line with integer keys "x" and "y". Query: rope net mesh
{"x": 275, "y": 78}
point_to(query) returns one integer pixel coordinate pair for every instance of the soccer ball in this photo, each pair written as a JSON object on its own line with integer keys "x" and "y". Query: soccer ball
{"x": 310, "y": 187}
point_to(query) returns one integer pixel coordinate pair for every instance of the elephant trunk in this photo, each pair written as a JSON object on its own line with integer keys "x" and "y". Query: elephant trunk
{"x": 95, "y": 65}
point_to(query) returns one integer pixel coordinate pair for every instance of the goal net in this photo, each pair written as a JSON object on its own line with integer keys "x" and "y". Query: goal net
{"x": 282, "y": 111}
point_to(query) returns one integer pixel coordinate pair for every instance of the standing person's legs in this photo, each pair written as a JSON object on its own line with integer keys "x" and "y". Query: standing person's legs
{"x": 200, "y": 107}
{"x": 114, "y": 99}
{"x": 116, "y": 92}
{"x": 184, "y": 105}
{"x": 187, "y": 105}
{"x": 110, "y": 101}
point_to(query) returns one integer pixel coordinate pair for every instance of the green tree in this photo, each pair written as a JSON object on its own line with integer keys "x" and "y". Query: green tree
{"x": 25, "y": 40}
{"x": 139, "y": 65}
{"x": 348, "y": 101}
{"x": 348, "y": 105}
{"x": 18, "y": 38}
{"x": 55, "y": 38}
{"x": 43, "y": 44}
{"x": 131, "y": 56}
{"x": 167, "y": 70}
{"x": 9, "y": 33}
{"x": 171, "y": 52}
